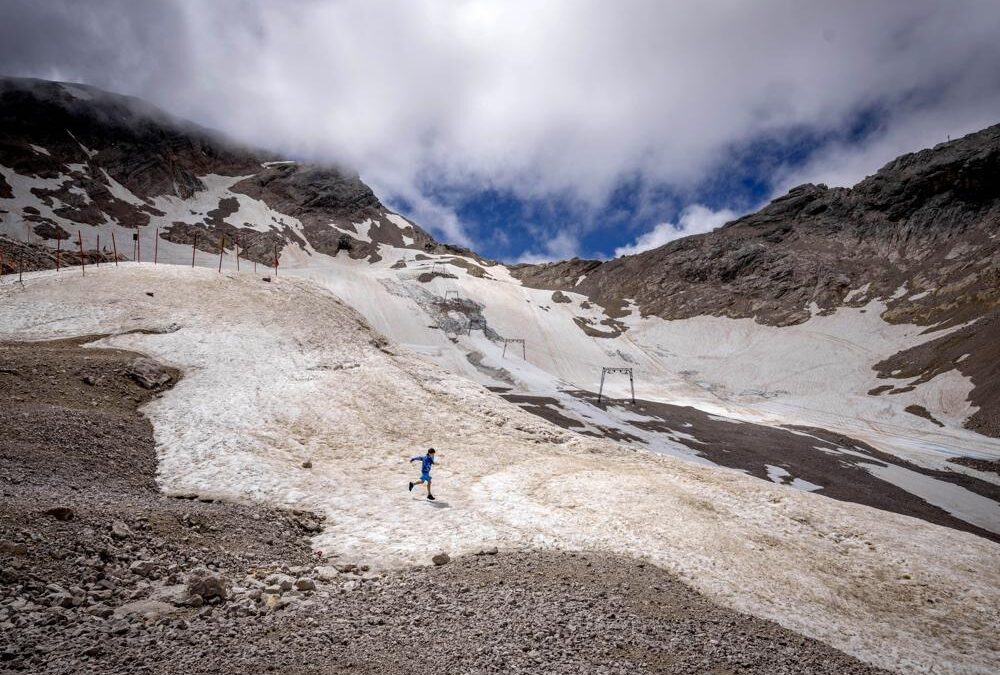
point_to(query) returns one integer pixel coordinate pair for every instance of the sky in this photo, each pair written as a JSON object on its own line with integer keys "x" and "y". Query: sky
{"x": 542, "y": 130}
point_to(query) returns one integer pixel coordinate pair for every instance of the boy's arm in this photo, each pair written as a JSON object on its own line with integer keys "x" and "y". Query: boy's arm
{"x": 416, "y": 459}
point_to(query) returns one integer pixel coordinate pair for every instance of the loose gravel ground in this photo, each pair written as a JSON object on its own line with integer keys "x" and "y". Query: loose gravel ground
{"x": 100, "y": 572}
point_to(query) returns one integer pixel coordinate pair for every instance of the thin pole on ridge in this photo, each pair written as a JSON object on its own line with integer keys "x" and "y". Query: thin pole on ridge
{"x": 222, "y": 248}
{"x": 83, "y": 263}
{"x": 114, "y": 247}
{"x": 156, "y": 245}
{"x": 194, "y": 246}
{"x": 138, "y": 246}
{"x": 98, "y": 263}
{"x": 275, "y": 261}
{"x": 237, "y": 253}
{"x": 58, "y": 250}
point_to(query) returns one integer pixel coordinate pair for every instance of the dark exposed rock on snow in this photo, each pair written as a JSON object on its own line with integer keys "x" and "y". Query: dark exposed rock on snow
{"x": 149, "y": 373}
{"x": 835, "y": 464}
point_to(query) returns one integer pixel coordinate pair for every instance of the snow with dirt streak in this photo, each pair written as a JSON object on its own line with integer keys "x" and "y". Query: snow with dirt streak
{"x": 278, "y": 373}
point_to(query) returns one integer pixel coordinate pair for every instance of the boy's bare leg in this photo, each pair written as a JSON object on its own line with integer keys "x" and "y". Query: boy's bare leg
{"x": 428, "y": 486}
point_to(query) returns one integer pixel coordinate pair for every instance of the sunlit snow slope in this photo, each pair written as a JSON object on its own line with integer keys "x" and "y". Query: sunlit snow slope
{"x": 276, "y": 373}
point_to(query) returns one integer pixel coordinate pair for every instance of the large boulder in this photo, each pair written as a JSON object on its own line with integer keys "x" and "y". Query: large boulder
{"x": 207, "y": 584}
{"x": 148, "y": 373}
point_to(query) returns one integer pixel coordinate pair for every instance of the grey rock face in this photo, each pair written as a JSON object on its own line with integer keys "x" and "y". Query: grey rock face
{"x": 149, "y": 374}
{"x": 207, "y": 584}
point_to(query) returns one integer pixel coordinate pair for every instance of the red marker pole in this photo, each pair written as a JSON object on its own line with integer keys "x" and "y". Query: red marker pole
{"x": 156, "y": 245}
{"x": 83, "y": 263}
{"x": 114, "y": 247}
{"x": 275, "y": 261}
{"x": 194, "y": 246}
{"x": 58, "y": 250}
{"x": 222, "y": 248}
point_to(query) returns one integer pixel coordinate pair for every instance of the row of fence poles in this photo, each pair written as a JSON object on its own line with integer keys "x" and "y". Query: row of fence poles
{"x": 237, "y": 242}
{"x": 137, "y": 252}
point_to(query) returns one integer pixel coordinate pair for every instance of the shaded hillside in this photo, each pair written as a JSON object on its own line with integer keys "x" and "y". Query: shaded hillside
{"x": 112, "y": 158}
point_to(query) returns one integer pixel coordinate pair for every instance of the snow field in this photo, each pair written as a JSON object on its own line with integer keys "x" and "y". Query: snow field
{"x": 278, "y": 373}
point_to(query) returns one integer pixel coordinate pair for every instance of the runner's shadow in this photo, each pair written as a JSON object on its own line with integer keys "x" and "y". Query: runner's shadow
{"x": 439, "y": 504}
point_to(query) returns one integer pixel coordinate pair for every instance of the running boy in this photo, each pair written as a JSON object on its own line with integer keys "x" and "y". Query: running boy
{"x": 426, "y": 462}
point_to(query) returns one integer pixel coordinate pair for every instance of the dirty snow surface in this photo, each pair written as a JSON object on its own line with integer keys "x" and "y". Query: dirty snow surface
{"x": 283, "y": 372}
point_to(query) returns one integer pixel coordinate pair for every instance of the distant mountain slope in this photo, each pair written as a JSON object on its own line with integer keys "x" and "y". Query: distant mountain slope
{"x": 922, "y": 234}
{"x": 113, "y": 158}
{"x": 926, "y": 222}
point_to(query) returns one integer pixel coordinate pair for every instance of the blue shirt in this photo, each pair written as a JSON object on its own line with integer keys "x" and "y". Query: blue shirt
{"x": 425, "y": 463}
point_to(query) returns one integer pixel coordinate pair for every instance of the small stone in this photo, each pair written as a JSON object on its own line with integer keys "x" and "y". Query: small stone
{"x": 143, "y": 568}
{"x": 305, "y": 584}
{"x": 307, "y": 464}
{"x": 119, "y": 530}
{"x": 326, "y": 572}
{"x": 282, "y": 581}
{"x": 441, "y": 559}
{"x": 62, "y": 513}
{"x": 207, "y": 584}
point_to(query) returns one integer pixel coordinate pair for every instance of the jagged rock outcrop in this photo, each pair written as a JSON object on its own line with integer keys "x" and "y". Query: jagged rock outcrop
{"x": 926, "y": 221}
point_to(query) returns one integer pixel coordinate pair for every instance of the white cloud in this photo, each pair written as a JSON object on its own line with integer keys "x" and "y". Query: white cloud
{"x": 694, "y": 219}
{"x": 560, "y": 247}
{"x": 561, "y": 97}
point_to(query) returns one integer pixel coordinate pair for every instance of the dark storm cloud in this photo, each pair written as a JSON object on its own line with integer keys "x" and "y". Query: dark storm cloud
{"x": 561, "y": 97}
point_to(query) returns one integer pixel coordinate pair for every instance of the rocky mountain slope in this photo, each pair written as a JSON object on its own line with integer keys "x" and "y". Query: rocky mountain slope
{"x": 926, "y": 222}
{"x": 111, "y": 158}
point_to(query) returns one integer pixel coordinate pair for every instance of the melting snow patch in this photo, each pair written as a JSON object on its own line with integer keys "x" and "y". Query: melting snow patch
{"x": 40, "y": 150}
{"x": 778, "y": 475}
